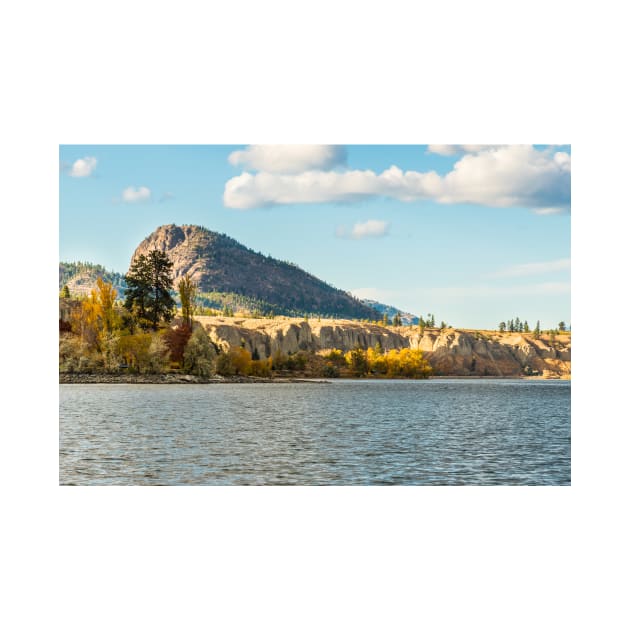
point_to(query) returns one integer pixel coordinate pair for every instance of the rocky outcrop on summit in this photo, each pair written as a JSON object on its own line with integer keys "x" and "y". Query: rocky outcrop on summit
{"x": 218, "y": 263}
{"x": 450, "y": 352}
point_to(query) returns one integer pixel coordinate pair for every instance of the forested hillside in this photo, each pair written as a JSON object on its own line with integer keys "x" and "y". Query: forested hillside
{"x": 80, "y": 277}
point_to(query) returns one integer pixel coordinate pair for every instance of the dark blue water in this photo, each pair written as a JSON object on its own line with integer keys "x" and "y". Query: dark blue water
{"x": 435, "y": 432}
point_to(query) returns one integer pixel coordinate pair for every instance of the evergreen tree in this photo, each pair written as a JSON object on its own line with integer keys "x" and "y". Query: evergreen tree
{"x": 562, "y": 327}
{"x": 526, "y": 327}
{"x": 397, "y": 320}
{"x": 65, "y": 292}
{"x": 502, "y": 327}
{"x": 149, "y": 284}
{"x": 357, "y": 361}
{"x": 537, "y": 330}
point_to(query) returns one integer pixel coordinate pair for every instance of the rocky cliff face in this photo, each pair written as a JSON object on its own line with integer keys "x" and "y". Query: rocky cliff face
{"x": 218, "y": 263}
{"x": 450, "y": 352}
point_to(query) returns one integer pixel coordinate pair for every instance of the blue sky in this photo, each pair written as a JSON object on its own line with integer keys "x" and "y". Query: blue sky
{"x": 474, "y": 234}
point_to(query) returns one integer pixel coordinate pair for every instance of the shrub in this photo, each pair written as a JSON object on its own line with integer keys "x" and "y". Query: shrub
{"x": 235, "y": 361}
{"x": 224, "y": 365}
{"x": 407, "y": 363}
{"x": 71, "y": 350}
{"x": 176, "y": 340}
{"x": 134, "y": 350}
{"x": 64, "y": 326}
{"x": 157, "y": 355}
{"x": 376, "y": 361}
{"x": 336, "y": 358}
{"x": 110, "y": 350}
{"x": 200, "y": 356}
{"x": 330, "y": 371}
{"x": 357, "y": 361}
{"x": 261, "y": 367}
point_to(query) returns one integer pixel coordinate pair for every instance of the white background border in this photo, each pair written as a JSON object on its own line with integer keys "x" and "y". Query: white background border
{"x": 401, "y": 72}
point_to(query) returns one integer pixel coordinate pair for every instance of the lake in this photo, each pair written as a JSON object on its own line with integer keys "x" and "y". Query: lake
{"x": 347, "y": 432}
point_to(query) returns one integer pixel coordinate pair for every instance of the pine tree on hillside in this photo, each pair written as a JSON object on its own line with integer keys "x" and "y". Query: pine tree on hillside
{"x": 149, "y": 284}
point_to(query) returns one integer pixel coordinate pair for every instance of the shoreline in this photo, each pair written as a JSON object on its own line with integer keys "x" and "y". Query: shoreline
{"x": 172, "y": 379}
{"x": 190, "y": 379}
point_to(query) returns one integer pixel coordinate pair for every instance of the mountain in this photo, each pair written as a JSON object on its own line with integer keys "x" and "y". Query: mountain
{"x": 227, "y": 272}
{"x": 81, "y": 277}
{"x": 390, "y": 311}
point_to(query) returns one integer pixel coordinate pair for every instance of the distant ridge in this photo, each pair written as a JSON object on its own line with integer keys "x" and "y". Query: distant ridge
{"x": 80, "y": 277}
{"x": 385, "y": 309}
{"x": 224, "y": 270}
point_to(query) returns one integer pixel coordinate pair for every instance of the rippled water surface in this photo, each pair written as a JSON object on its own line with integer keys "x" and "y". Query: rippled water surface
{"x": 431, "y": 432}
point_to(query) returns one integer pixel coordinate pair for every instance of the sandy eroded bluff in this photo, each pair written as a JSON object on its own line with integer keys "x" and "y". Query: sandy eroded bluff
{"x": 450, "y": 352}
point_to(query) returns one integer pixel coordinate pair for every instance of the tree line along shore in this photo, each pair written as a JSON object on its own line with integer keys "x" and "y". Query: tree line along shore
{"x": 146, "y": 335}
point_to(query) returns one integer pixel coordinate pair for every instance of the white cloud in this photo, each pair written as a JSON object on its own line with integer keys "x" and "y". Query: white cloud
{"x": 263, "y": 189}
{"x": 547, "y": 211}
{"x": 454, "y": 149}
{"x": 537, "y": 268}
{"x": 289, "y": 158}
{"x": 369, "y": 228}
{"x": 509, "y": 176}
{"x": 131, "y": 194}
{"x": 167, "y": 196}
{"x": 83, "y": 167}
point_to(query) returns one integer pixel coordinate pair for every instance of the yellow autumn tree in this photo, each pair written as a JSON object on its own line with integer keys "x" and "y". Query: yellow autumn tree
{"x": 376, "y": 361}
{"x": 234, "y": 361}
{"x": 407, "y": 363}
{"x": 96, "y": 319}
{"x": 86, "y": 321}
{"x": 106, "y": 298}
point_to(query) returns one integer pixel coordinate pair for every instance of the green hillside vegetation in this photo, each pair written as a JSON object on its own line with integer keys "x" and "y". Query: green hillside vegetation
{"x": 228, "y": 304}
